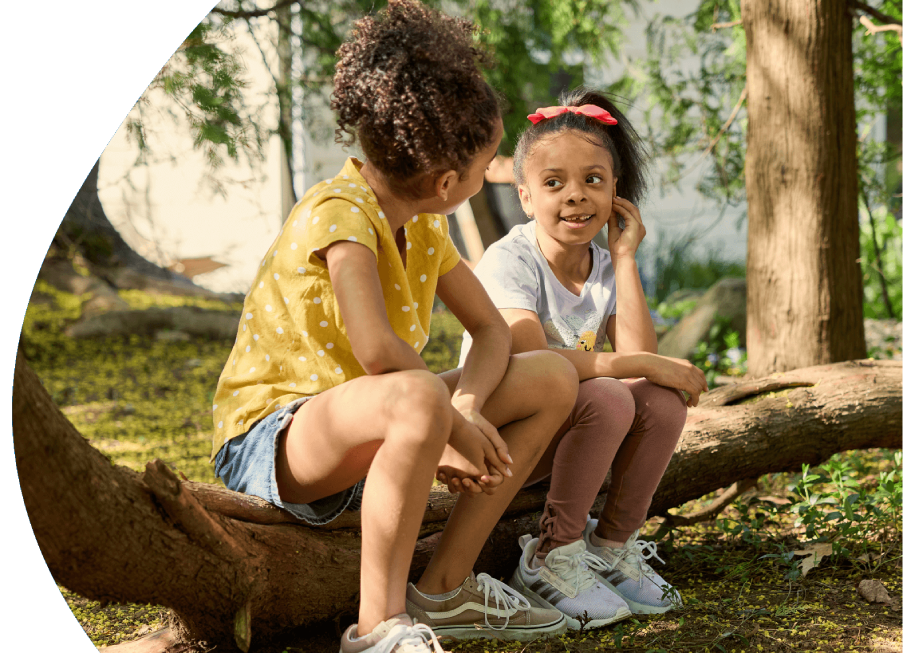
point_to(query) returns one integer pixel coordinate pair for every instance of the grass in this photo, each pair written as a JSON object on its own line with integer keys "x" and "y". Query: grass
{"x": 138, "y": 398}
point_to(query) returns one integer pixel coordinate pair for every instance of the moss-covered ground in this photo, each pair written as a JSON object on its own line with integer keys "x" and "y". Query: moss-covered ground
{"x": 137, "y": 399}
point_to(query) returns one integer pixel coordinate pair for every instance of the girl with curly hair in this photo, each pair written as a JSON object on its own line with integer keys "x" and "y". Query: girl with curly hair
{"x": 580, "y": 167}
{"x": 325, "y": 405}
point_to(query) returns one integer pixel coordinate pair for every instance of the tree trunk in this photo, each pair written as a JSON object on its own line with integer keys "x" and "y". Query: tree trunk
{"x": 231, "y": 566}
{"x": 805, "y": 285}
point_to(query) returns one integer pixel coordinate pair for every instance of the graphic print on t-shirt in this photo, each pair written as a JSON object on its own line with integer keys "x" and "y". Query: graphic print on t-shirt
{"x": 575, "y": 332}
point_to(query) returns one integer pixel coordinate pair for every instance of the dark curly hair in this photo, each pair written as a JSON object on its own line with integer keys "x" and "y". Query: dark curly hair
{"x": 408, "y": 86}
{"x": 628, "y": 153}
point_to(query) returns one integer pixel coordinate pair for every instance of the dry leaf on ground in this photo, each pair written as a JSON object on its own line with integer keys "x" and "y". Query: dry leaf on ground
{"x": 874, "y": 591}
{"x": 812, "y": 555}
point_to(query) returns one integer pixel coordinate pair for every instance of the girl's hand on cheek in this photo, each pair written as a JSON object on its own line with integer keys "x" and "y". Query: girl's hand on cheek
{"x": 623, "y": 243}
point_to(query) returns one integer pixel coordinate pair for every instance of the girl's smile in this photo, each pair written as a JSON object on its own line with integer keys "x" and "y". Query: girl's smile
{"x": 569, "y": 188}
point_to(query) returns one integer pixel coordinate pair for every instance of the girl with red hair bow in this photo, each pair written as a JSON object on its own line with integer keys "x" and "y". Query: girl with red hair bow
{"x": 580, "y": 168}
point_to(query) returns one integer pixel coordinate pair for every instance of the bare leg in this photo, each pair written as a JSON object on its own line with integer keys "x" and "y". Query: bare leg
{"x": 393, "y": 429}
{"x": 528, "y": 406}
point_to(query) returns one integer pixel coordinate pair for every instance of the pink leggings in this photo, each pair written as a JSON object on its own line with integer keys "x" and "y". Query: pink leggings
{"x": 631, "y": 427}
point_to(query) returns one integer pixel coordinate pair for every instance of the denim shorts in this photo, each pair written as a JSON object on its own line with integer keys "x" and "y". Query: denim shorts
{"x": 247, "y": 463}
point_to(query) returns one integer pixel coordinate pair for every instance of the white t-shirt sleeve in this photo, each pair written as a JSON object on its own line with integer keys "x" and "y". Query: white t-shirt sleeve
{"x": 510, "y": 277}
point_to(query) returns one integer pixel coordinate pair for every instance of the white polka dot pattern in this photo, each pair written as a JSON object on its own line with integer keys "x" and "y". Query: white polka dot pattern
{"x": 301, "y": 347}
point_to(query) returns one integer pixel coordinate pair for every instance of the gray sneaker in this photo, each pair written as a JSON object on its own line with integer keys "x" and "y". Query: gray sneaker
{"x": 567, "y": 583}
{"x": 484, "y": 607}
{"x": 397, "y": 634}
{"x": 630, "y": 576}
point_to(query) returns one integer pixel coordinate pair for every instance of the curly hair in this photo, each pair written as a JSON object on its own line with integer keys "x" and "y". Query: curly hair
{"x": 408, "y": 86}
{"x": 628, "y": 153}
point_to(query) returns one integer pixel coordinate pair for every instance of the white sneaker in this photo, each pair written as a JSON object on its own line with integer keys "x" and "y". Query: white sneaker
{"x": 567, "y": 584}
{"x": 629, "y": 576}
{"x": 394, "y": 635}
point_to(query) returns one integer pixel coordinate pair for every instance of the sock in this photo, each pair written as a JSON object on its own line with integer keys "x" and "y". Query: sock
{"x": 440, "y": 597}
{"x": 595, "y": 540}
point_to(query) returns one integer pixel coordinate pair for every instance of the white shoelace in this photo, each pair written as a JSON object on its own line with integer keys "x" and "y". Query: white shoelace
{"x": 506, "y": 598}
{"x": 577, "y": 568}
{"x": 409, "y": 639}
{"x": 636, "y": 553}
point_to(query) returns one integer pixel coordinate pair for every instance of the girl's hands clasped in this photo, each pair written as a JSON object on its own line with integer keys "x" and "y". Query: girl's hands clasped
{"x": 476, "y": 458}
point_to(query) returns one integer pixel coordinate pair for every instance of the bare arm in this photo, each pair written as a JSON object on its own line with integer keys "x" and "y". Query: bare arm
{"x": 487, "y": 361}
{"x": 355, "y": 280}
{"x": 631, "y": 329}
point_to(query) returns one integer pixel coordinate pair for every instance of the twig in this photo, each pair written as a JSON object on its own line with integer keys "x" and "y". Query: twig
{"x": 710, "y": 511}
{"x": 874, "y": 29}
{"x": 721, "y": 131}
{"x": 881, "y": 278}
{"x": 733, "y": 23}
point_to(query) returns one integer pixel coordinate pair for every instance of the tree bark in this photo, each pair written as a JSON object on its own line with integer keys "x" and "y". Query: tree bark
{"x": 234, "y": 569}
{"x": 805, "y": 285}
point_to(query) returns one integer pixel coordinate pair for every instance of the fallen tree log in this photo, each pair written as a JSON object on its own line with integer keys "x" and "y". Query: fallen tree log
{"x": 190, "y": 320}
{"x": 235, "y": 570}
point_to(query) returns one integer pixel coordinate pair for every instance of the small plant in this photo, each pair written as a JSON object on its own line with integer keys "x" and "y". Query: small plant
{"x": 837, "y": 506}
{"x": 720, "y": 352}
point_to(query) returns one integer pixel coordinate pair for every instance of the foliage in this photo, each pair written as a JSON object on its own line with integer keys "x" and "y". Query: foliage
{"x": 836, "y": 505}
{"x": 204, "y": 81}
{"x": 688, "y": 110}
{"x": 720, "y": 353}
{"x": 889, "y": 238}
{"x": 543, "y": 47}
{"x": 679, "y": 268}
{"x": 540, "y": 46}
{"x": 691, "y": 112}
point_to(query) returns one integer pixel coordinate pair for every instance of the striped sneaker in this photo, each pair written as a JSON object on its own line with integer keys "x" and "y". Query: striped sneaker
{"x": 629, "y": 575}
{"x": 484, "y": 607}
{"x": 566, "y": 583}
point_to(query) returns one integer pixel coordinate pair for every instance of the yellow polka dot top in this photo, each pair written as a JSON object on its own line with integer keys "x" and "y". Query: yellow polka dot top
{"x": 291, "y": 340}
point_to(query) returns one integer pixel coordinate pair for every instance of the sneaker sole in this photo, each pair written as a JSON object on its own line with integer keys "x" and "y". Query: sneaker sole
{"x": 635, "y": 607}
{"x": 572, "y": 623}
{"x": 511, "y": 633}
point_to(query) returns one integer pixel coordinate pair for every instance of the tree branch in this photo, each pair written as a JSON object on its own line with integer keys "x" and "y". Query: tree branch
{"x": 708, "y": 513}
{"x": 733, "y": 23}
{"x": 874, "y": 29}
{"x": 254, "y": 13}
{"x": 720, "y": 133}
{"x": 884, "y": 18}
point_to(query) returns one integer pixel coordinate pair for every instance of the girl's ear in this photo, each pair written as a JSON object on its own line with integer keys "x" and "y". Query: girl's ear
{"x": 526, "y": 203}
{"x": 443, "y": 184}
{"x": 614, "y": 188}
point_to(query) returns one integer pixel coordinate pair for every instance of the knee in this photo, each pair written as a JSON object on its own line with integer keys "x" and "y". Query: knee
{"x": 607, "y": 403}
{"x": 667, "y": 405}
{"x": 557, "y": 380}
{"x": 419, "y": 403}
{"x": 669, "y": 399}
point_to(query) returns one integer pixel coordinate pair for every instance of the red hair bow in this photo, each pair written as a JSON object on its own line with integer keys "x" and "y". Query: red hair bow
{"x": 590, "y": 110}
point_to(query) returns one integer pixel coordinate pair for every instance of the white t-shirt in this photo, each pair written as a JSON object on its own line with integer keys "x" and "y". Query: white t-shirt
{"x": 517, "y": 275}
